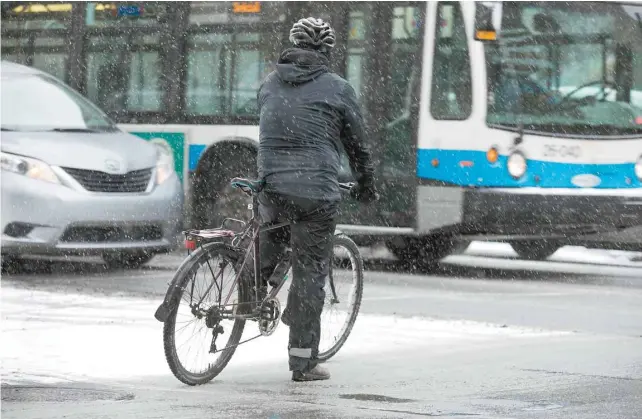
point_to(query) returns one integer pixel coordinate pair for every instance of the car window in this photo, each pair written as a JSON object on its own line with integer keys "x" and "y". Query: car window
{"x": 40, "y": 103}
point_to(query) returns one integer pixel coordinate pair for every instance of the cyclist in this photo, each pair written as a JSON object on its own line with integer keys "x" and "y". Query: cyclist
{"x": 307, "y": 114}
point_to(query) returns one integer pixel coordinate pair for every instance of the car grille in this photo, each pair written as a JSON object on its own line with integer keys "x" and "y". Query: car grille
{"x": 95, "y": 181}
{"x": 111, "y": 234}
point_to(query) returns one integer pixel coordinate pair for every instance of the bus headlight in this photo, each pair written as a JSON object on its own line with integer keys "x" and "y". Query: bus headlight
{"x": 638, "y": 168}
{"x": 516, "y": 165}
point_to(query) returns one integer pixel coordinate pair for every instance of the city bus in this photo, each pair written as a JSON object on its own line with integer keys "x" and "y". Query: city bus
{"x": 512, "y": 121}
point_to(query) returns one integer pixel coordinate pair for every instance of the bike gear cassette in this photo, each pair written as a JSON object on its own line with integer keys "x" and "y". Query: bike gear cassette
{"x": 270, "y": 316}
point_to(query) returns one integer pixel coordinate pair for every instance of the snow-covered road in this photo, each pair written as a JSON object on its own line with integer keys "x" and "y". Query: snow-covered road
{"x": 52, "y": 337}
{"x": 502, "y": 338}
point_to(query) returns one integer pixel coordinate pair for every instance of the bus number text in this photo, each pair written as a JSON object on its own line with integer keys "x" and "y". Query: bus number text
{"x": 552, "y": 150}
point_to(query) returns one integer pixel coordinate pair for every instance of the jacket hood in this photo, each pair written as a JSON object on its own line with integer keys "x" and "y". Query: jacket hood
{"x": 298, "y": 65}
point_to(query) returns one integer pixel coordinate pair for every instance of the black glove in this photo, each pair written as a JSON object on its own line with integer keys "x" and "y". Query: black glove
{"x": 364, "y": 192}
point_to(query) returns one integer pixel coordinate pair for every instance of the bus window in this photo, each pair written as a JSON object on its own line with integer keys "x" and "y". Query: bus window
{"x": 27, "y": 16}
{"x": 120, "y": 15}
{"x": 356, "y": 51}
{"x": 16, "y": 49}
{"x": 567, "y": 68}
{"x": 451, "y": 92}
{"x": 224, "y": 73}
{"x": 252, "y": 55}
{"x": 403, "y": 58}
{"x": 144, "y": 91}
{"x": 249, "y": 71}
{"x": 354, "y": 65}
{"x": 396, "y": 147}
{"x": 221, "y": 12}
{"x": 36, "y": 34}
{"x": 404, "y": 70}
{"x": 225, "y": 70}
{"x": 105, "y": 81}
{"x": 636, "y": 92}
{"x": 207, "y": 73}
{"x": 125, "y": 79}
{"x": 50, "y": 55}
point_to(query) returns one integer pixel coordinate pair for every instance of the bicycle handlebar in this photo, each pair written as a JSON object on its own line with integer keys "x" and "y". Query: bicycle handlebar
{"x": 346, "y": 187}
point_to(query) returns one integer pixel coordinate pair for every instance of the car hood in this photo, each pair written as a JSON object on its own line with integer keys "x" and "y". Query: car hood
{"x": 91, "y": 151}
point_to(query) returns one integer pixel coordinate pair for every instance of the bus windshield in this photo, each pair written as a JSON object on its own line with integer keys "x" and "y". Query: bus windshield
{"x": 567, "y": 68}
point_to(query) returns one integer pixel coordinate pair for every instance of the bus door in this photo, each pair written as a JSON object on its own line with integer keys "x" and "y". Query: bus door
{"x": 450, "y": 123}
{"x": 383, "y": 64}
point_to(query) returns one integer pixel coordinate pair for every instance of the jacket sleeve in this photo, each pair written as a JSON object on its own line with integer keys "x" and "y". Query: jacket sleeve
{"x": 259, "y": 98}
{"x": 354, "y": 137}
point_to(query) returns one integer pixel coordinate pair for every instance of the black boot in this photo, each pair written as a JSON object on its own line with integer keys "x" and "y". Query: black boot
{"x": 315, "y": 374}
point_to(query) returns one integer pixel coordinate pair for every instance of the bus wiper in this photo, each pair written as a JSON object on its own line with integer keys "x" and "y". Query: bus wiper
{"x": 520, "y": 133}
{"x": 6, "y": 129}
{"x": 73, "y": 130}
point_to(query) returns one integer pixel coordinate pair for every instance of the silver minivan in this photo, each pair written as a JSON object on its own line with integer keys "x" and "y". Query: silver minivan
{"x": 74, "y": 183}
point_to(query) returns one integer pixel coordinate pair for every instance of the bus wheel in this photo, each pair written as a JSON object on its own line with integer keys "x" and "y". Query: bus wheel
{"x": 422, "y": 252}
{"x": 215, "y": 199}
{"x": 535, "y": 249}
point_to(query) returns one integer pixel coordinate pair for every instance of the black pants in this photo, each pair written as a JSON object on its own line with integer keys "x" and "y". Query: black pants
{"x": 310, "y": 237}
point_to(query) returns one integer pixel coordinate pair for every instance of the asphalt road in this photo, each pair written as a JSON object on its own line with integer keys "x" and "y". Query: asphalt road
{"x": 479, "y": 337}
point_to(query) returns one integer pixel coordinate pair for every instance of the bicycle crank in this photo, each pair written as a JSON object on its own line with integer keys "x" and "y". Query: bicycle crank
{"x": 270, "y": 316}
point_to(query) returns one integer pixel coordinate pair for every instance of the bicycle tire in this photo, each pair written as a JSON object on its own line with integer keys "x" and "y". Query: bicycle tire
{"x": 348, "y": 244}
{"x": 180, "y": 281}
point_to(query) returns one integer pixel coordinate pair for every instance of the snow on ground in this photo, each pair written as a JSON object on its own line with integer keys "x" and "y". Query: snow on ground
{"x": 572, "y": 254}
{"x": 54, "y": 337}
{"x": 577, "y": 254}
{"x": 575, "y": 260}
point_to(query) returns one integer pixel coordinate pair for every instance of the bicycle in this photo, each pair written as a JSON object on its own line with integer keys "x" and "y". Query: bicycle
{"x": 235, "y": 248}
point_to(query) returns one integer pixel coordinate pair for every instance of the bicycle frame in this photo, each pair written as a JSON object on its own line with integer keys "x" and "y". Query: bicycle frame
{"x": 256, "y": 228}
{"x": 252, "y": 229}
{"x": 234, "y": 244}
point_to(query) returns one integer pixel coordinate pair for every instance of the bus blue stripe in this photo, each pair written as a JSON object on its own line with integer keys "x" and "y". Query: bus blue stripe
{"x": 195, "y": 151}
{"x": 484, "y": 174}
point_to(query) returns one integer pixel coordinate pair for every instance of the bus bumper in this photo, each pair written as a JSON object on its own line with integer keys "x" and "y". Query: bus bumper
{"x": 506, "y": 213}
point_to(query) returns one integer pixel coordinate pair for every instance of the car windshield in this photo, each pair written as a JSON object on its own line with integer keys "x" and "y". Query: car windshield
{"x": 32, "y": 102}
{"x": 567, "y": 68}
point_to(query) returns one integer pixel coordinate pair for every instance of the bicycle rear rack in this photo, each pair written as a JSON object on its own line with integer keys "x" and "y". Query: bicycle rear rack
{"x": 195, "y": 238}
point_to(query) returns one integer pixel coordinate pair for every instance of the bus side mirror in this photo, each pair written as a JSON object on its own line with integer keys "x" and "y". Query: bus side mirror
{"x": 485, "y": 30}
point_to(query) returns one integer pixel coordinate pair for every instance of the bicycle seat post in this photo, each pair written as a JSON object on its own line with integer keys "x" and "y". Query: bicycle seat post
{"x": 257, "y": 243}
{"x": 255, "y": 205}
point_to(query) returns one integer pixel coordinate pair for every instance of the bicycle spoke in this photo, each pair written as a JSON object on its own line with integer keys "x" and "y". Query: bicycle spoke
{"x": 193, "y": 343}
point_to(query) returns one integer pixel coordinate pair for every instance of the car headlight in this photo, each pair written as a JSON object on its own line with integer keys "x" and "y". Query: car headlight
{"x": 516, "y": 165}
{"x": 164, "y": 165}
{"x": 638, "y": 168}
{"x": 26, "y": 166}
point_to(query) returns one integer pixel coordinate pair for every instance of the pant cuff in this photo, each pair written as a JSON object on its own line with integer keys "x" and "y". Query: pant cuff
{"x": 301, "y": 352}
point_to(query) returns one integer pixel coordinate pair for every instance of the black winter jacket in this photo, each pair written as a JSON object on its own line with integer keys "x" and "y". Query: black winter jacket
{"x": 307, "y": 114}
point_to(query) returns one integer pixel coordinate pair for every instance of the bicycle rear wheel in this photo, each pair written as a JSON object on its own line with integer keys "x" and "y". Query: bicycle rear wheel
{"x": 205, "y": 288}
{"x": 343, "y": 294}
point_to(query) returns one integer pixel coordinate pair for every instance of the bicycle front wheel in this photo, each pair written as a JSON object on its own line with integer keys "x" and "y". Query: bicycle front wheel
{"x": 202, "y": 321}
{"x": 343, "y": 294}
